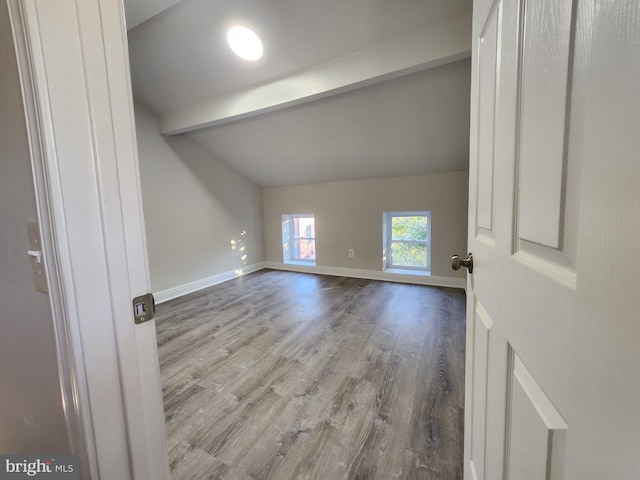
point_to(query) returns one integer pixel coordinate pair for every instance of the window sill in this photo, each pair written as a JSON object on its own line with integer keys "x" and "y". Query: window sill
{"x": 297, "y": 262}
{"x": 402, "y": 271}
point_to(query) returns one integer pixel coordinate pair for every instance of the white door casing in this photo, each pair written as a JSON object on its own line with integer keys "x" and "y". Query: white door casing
{"x": 75, "y": 76}
{"x": 530, "y": 404}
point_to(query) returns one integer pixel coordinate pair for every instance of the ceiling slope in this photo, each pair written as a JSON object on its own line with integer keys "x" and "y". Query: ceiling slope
{"x": 415, "y": 124}
{"x": 345, "y": 90}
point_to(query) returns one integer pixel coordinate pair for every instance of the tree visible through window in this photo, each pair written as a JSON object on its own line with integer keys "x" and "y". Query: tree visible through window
{"x": 408, "y": 240}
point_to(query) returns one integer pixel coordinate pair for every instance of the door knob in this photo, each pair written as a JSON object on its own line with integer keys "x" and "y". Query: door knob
{"x": 457, "y": 262}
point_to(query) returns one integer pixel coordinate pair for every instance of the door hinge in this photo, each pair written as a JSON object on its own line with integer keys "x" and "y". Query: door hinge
{"x": 144, "y": 308}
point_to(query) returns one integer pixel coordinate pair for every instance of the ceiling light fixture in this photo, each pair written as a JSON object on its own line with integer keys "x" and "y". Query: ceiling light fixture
{"x": 244, "y": 43}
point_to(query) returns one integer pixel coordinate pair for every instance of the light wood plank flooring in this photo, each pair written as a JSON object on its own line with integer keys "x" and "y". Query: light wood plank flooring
{"x": 279, "y": 375}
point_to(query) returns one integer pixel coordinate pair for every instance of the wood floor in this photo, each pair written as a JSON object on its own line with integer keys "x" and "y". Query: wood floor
{"x": 280, "y": 375}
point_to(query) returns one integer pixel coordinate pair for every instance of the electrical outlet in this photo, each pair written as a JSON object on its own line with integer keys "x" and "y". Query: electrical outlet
{"x": 352, "y": 253}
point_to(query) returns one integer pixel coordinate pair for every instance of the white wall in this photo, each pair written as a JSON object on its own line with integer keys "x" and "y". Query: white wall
{"x": 194, "y": 207}
{"x": 31, "y": 415}
{"x": 349, "y": 215}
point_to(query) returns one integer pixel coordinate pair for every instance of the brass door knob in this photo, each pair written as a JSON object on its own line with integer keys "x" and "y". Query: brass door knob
{"x": 457, "y": 262}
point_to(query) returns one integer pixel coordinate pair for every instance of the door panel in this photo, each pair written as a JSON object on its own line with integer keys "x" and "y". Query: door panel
{"x": 545, "y": 210}
{"x": 536, "y": 431}
{"x": 519, "y": 255}
{"x": 480, "y": 333}
{"x": 544, "y": 59}
{"x": 553, "y": 384}
{"x": 488, "y": 46}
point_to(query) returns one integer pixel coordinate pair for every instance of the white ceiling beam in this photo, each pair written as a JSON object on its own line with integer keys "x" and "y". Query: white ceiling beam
{"x": 434, "y": 46}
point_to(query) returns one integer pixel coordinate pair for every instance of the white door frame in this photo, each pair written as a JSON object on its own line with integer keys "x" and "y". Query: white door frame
{"x": 70, "y": 368}
{"x": 74, "y": 71}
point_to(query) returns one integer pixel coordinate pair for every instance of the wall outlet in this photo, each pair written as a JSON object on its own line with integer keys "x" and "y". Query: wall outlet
{"x": 352, "y": 253}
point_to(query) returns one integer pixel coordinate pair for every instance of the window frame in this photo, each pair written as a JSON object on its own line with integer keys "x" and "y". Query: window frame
{"x": 289, "y": 253}
{"x": 388, "y": 240}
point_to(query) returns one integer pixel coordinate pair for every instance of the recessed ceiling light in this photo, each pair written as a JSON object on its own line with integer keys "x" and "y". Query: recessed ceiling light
{"x": 244, "y": 43}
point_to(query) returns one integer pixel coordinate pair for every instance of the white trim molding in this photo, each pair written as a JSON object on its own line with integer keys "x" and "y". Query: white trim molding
{"x": 180, "y": 290}
{"x": 72, "y": 373}
{"x": 78, "y": 104}
{"x": 371, "y": 275}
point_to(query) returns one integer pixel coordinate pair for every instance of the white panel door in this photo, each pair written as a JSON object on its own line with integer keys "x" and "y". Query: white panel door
{"x": 534, "y": 290}
{"x": 522, "y": 292}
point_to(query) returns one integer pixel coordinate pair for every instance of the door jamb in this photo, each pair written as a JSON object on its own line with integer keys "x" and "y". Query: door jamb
{"x": 124, "y": 438}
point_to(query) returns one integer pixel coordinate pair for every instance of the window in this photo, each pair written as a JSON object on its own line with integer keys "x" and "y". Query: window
{"x": 407, "y": 240}
{"x": 299, "y": 239}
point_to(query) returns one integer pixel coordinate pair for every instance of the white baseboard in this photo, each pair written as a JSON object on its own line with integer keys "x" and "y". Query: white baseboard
{"x": 191, "y": 287}
{"x": 371, "y": 275}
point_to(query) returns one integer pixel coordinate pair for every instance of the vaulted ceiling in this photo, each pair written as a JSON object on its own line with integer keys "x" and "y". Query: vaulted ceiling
{"x": 346, "y": 89}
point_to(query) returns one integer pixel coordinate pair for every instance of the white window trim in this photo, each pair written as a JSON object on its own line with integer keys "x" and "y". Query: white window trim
{"x": 289, "y": 238}
{"x": 388, "y": 264}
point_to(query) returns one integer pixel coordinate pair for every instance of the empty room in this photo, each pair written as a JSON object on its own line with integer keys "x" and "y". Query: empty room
{"x": 329, "y": 175}
{"x": 319, "y": 240}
